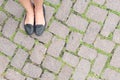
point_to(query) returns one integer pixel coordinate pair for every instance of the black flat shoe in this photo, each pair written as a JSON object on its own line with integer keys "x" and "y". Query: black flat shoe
{"x": 29, "y": 29}
{"x": 40, "y": 28}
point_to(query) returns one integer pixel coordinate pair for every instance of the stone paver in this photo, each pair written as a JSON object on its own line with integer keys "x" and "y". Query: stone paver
{"x": 10, "y": 27}
{"x": 32, "y": 70}
{"x": 81, "y": 5}
{"x": 87, "y": 53}
{"x": 19, "y": 59}
{"x": 3, "y": 63}
{"x": 55, "y": 47}
{"x": 114, "y": 75}
{"x": 47, "y": 76}
{"x": 104, "y": 44}
{"x": 52, "y": 64}
{"x": 96, "y": 13}
{"x": 110, "y": 24}
{"x": 74, "y": 41}
{"x": 64, "y": 10}
{"x": 101, "y": 59}
{"x": 82, "y": 70}
{"x": 77, "y": 22}
{"x": 70, "y": 59}
{"x": 7, "y": 49}
{"x": 116, "y": 58}
{"x": 81, "y": 41}
{"x": 13, "y": 75}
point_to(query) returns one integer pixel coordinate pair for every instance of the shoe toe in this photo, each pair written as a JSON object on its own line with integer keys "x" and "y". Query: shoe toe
{"x": 39, "y": 29}
{"x": 29, "y": 29}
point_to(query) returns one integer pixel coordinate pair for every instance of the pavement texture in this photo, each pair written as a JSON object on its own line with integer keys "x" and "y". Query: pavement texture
{"x": 81, "y": 42}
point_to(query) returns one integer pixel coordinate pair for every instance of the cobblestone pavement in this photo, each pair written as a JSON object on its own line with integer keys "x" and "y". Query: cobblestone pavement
{"x": 81, "y": 42}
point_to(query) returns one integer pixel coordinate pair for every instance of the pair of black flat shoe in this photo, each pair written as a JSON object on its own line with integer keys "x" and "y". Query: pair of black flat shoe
{"x": 37, "y": 29}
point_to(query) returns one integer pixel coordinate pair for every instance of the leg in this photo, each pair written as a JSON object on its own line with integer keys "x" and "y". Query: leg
{"x": 29, "y": 11}
{"x": 39, "y": 16}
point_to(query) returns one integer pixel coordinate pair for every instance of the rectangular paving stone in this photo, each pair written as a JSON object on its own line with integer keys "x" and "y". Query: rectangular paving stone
{"x": 91, "y": 33}
{"x": 87, "y": 53}
{"x": 77, "y": 22}
{"x": 113, "y": 4}
{"x": 116, "y": 36}
{"x": 81, "y": 5}
{"x": 114, "y": 75}
{"x": 19, "y": 59}
{"x": 52, "y": 64}
{"x": 96, "y": 13}
{"x": 3, "y": 63}
{"x": 47, "y": 76}
{"x": 13, "y": 75}
{"x": 56, "y": 47}
{"x": 64, "y": 10}
{"x": 115, "y": 61}
{"x": 82, "y": 70}
{"x": 99, "y": 64}
{"x": 104, "y": 44}
{"x": 45, "y": 37}
{"x": 29, "y": 79}
{"x": 2, "y": 16}
{"x": 14, "y": 8}
{"x": 10, "y": 27}
{"x": 74, "y": 41}
{"x": 59, "y": 29}
{"x": 65, "y": 73}
{"x": 70, "y": 59}
{"x": 38, "y": 53}
{"x": 24, "y": 40}
{"x": 101, "y": 2}
{"x": 110, "y": 24}
{"x": 7, "y": 49}
{"x": 32, "y": 70}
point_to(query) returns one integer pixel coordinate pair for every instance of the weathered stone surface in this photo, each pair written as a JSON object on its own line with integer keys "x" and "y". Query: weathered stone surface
{"x": 91, "y": 33}
{"x": 13, "y": 75}
{"x": 56, "y": 47}
{"x": 101, "y": 2}
{"x": 7, "y": 49}
{"x": 82, "y": 70}
{"x": 77, "y": 22}
{"x": 32, "y": 70}
{"x": 65, "y": 73}
{"x": 114, "y": 75}
{"x": 2, "y": 16}
{"x": 12, "y": 6}
{"x": 99, "y": 64}
{"x": 104, "y": 44}
{"x": 81, "y": 5}
{"x": 3, "y": 63}
{"x": 115, "y": 61}
{"x": 54, "y": 1}
{"x": 70, "y": 59}
{"x": 24, "y": 40}
{"x": 1, "y": 1}
{"x": 64, "y": 10}
{"x": 59, "y": 29}
{"x": 10, "y": 27}
{"x": 96, "y": 13}
{"x": 52, "y": 64}
{"x": 110, "y": 24}
{"x": 113, "y": 4}
{"x": 116, "y": 36}
{"x": 19, "y": 59}
{"x": 47, "y": 76}
{"x": 87, "y": 53}
{"x": 74, "y": 41}
{"x": 38, "y": 53}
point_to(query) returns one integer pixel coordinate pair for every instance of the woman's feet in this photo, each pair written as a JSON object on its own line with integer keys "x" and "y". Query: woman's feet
{"x": 35, "y": 21}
